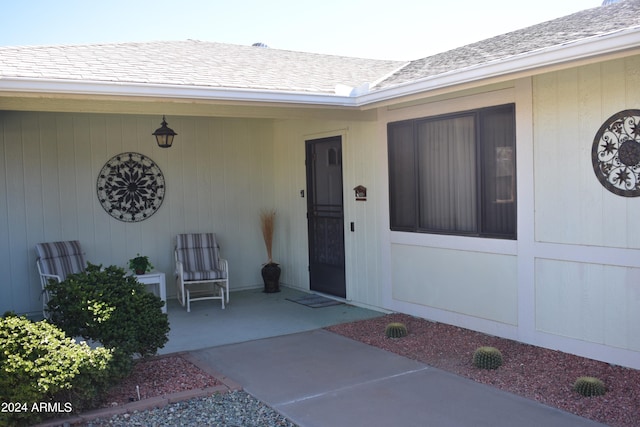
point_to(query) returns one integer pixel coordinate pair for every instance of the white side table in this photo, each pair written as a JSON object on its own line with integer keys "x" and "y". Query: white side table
{"x": 155, "y": 278}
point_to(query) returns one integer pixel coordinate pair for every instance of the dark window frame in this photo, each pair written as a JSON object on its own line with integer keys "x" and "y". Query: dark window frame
{"x": 404, "y": 174}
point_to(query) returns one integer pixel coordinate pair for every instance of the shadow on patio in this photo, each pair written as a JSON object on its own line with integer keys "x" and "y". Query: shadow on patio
{"x": 250, "y": 315}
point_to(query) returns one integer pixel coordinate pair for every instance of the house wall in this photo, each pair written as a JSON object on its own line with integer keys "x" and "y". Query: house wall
{"x": 360, "y": 167}
{"x": 571, "y": 280}
{"x": 218, "y": 176}
{"x": 470, "y": 282}
{"x": 587, "y": 275}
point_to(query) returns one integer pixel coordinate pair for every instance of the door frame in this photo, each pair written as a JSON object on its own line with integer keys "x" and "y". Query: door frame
{"x": 341, "y": 289}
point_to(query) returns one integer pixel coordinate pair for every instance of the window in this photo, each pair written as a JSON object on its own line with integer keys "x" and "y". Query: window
{"x": 454, "y": 174}
{"x": 332, "y": 157}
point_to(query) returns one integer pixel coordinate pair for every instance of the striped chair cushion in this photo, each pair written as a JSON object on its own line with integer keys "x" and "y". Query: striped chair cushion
{"x": 199, "y": 255}
{"x": 61, "y": 258}
{"x": 204, "y": 275}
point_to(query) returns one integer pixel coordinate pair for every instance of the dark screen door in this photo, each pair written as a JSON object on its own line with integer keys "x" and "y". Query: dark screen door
{"x": 325, "y": 216}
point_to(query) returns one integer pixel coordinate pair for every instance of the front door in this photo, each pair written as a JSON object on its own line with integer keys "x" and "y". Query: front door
{"x": 325, "y": 216}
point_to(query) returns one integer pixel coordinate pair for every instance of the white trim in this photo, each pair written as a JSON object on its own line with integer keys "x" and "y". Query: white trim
{"x": 604, "y": 353}
{"x": 581, "y": 49}
{"x": 615, "y": 42}
{"x": 462, "y": 320}
{"x": 455, "y": 242}
{"x": 526, "y": 209}
{"x": 591, "y": 350}
{"x": 87, "y": 87}
{"x": 601, "y": 255}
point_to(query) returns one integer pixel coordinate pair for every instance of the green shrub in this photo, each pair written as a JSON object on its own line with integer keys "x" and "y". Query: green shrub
{"x": 108, "y": 306}
{"x": 395, "y": 330}
{"x": 40, "y": 365}
{"x": 487, "y": 358}
{"x": 589, "y": 386}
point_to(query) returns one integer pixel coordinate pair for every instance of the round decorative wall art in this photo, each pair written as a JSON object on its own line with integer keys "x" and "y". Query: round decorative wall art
{"x": 615, "y": 153}
{"x": 130, "y": 187}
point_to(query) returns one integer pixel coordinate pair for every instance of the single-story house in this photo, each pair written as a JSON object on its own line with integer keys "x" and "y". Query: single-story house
{"x": 493, "y": 186}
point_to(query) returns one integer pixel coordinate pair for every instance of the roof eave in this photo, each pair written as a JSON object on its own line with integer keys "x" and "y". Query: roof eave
{"x": 167, "y": 91}
{"x": 545, "y": 58}
{"x": 541, "y": 59}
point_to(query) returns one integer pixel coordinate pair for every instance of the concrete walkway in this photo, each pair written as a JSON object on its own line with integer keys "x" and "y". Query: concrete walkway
{"x": 320, "y": 379}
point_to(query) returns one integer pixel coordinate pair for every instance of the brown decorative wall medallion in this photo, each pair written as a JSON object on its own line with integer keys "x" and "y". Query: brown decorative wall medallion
{"x": 130, "y": 187}
{"x": 615, "y": 153}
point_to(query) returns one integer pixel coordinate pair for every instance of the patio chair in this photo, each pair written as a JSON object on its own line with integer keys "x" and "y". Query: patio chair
{"x": 56, "y": 260}
{"x": 201, "y": 273}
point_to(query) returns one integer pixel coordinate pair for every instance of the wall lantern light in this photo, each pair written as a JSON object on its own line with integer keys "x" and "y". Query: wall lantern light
{"x": 164, "y": 135}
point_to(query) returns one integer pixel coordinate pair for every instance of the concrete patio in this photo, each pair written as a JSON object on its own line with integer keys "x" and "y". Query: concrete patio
{"x": 251, "y": 315}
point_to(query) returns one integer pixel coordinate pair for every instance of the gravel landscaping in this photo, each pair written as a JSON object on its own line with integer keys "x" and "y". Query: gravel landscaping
{"x": 157, "y": 377}
{"x": 231, "y": 409}
{"x": 171, "y": 374}
{"x": 533, "y": 372}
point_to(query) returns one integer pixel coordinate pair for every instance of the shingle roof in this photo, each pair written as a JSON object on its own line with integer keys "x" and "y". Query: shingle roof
{"x": 193, "y": 63}
{"x": 216, "y": 65}
{"x": 577, "y": 26}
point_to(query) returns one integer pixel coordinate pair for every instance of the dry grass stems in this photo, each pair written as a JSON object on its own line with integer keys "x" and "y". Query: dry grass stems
{"x": 267, "y": 223}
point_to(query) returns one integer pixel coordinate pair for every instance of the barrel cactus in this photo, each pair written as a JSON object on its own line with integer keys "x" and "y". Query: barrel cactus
{"x": 589, "y": 386}
{"x": 395, "y": 330}
{"x": 487, "y": 358}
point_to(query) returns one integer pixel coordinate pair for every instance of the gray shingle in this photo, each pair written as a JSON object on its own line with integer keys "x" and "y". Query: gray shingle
{"x": 193, "y": 63}
{"x": 206, "y": 64}
{"x": 571, "y": 28}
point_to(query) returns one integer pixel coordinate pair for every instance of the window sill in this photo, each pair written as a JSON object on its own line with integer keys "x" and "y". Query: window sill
{"x": 465, "y": 243}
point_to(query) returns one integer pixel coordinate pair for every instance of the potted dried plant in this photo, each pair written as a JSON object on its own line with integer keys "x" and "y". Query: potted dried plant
{"x": 270, "y": 270}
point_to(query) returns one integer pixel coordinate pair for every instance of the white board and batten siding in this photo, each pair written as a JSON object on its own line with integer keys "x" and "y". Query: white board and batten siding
{"x": 587, "y": 269}
{"x": 218, "y": 176}
{"x": 361, "y": 166}
{"x": 572, "y": 279}
{"x": 469, "y": 282}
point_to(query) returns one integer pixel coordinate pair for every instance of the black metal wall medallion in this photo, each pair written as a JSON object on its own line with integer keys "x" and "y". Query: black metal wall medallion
{"x": 615, "y": 153}
{"x": 130, "y": 187}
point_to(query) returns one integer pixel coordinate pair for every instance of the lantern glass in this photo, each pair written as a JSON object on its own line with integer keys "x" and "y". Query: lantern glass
{"x": 164, "y": 135}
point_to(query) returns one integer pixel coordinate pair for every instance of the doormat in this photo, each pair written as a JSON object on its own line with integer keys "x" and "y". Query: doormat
{"x": 315, "y": 301}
